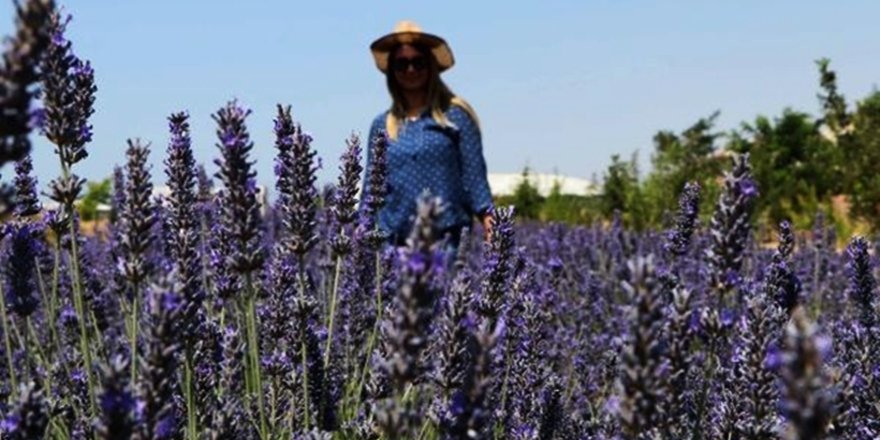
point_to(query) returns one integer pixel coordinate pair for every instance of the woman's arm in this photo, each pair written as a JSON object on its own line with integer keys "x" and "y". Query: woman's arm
{"x": 475, "y": 182}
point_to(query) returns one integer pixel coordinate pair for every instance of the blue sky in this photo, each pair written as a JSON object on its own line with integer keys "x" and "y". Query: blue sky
{"x": 558, "y": 85}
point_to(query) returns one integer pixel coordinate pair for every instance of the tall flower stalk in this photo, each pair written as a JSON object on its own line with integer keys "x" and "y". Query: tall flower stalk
{"x": 241, "y": 222}
{"x": 298, "y": 198}
{"x": 344, "y": 214}
{"x": 138, "y": 218}
{"x": 69, "y": 96}
{"x": 730, "y": 227}
{"x": 19, "y": 75}
{"x": 181, "y": 172}
{"x": 374, "y": 190}
{"x": 806, "y": 396}
{"x": 407, "y": 329}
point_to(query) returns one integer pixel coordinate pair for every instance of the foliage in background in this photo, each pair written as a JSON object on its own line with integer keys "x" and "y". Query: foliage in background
{"x": 97, "y": 193}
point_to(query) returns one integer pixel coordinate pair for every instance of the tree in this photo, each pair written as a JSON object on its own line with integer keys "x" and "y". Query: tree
{"x": 863, "y": 159}
{"x": 790, "y": 162}
{"x": 617, "y": 188}
{"x": 857, "y": 136}
{"x": 678, "y": 159}
{"x": 526, "y": 199}
{"x": 96, "y": 193}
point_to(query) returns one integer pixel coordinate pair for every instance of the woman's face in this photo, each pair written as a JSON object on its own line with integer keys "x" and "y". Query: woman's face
{"x": 410, "y": 68}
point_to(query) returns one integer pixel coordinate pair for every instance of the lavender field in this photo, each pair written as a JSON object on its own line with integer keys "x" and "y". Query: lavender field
{"x": 204, "y": 315}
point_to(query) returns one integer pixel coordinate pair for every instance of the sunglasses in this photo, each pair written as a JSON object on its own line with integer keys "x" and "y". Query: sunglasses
{"x": 402, "y": 64}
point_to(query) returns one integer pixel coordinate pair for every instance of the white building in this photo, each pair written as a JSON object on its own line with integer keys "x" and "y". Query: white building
{"x": 505, "y": 184}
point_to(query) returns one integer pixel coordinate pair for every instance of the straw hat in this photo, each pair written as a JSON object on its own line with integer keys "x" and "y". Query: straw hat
{"x": 407, "y": 32}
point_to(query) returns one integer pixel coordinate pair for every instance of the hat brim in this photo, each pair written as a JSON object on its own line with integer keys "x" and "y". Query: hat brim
{"x": 381, "y": 48}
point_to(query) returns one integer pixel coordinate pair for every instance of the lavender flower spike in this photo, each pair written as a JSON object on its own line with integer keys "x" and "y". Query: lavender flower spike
{"x": 498, "y": 266}
{"x": 117, "y": 402}
{"x": 21, "y": 289}
{"x": 27, "y": 202}
{"x": 806, "y": 400}
{"x": 137, "y": 214}
{"x": 30, "y": 417}
{"x": 731, "y": 225}
{"x": 375, "y": 185}
{"x": 350, "y": 171}
{"x": 679, "y": 238}
{"x": 408, "y": 327}
{"x": 240, "y": 215}
{"x": 862, "y": 285}
{"x": 18, "y": 74}
{"x": 296, "y": 167}
{"x": 68, "y": 96}
{"x": 642, "y": 379}
{"x": 181, "y": 172}
{"x": 159, "y": 378}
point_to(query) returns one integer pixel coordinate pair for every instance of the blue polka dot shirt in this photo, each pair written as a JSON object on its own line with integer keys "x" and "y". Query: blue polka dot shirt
{"x": 447, "y": 161}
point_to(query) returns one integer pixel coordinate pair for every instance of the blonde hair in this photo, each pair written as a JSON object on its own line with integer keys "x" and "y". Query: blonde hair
{"x": 440, "y": 97}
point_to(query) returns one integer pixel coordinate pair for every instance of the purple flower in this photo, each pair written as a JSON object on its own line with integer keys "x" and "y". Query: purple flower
{"x": 68, "y": 97}
{"x": 730, "y": 227}
{"x": 240, "y": 211}
{"x": 21, "y": 288}
{"x": 182, "y": 204}
{"x": 22, "y": 56}
{"x": 678, "y": 239}
{"x": 298, "y": 196}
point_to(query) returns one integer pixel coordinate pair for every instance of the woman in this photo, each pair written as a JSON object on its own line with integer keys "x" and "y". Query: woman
{"x": 434, "y": 140}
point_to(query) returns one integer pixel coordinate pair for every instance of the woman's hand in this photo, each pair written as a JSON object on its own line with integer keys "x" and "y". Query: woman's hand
{"x": 487, "y": 227}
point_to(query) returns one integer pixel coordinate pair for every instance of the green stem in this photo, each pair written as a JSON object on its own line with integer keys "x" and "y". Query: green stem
{"x": 374, "y": 334}
{"x": 78, "y": 301}
{"x": 41, "y": 353}
{"x": 9, "y": 364}
{"x": 191, "y": 415}
{"x": 304, "y": 350}
{"x": 254, "y": 352}
{"x": 133, "y": 319}
{"x": 332, "y": 312}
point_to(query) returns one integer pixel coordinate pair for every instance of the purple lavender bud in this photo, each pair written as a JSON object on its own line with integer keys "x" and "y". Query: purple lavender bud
{"x": 806, "y": 396}
{"x": 349, "y": 177}
{"x": 498, "y": 266}
{"x": 137, "y": 215}
{"x": 731, "y": 225}
{"x": 414, "y": 303}
{"x": 27, "y": 202}
{"x": 375, "y": 184}
{"x": 65, "y": 191}
{"x": 159, "y": 383}
{"x": 552, "y": 413}
{"x": 469, "y": 412}
{"x": 298, "y": 195}
{"x": 642, "y": 380}
{"x": 454, "y": 338}
{"x": 116, "y": 401}
{"x": 678, "y": 239}
{"x": 21, "y": 288}
{"x": 307, "y": 350}
{"x": 754, "y": 382}
{"x": 782, "y": 285}
{"x": 862, "y": 285}
{"x": 181, "y": 172}
{"x": 68, "y": 97}
{"x": 786, "y": 240}
{"x": 18, "y": 74}
{"x": 240, "y": 210}
{"x": 679, "y": 336}
{"x": 407, "y": 327}
{"x": 29, "y": 419}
